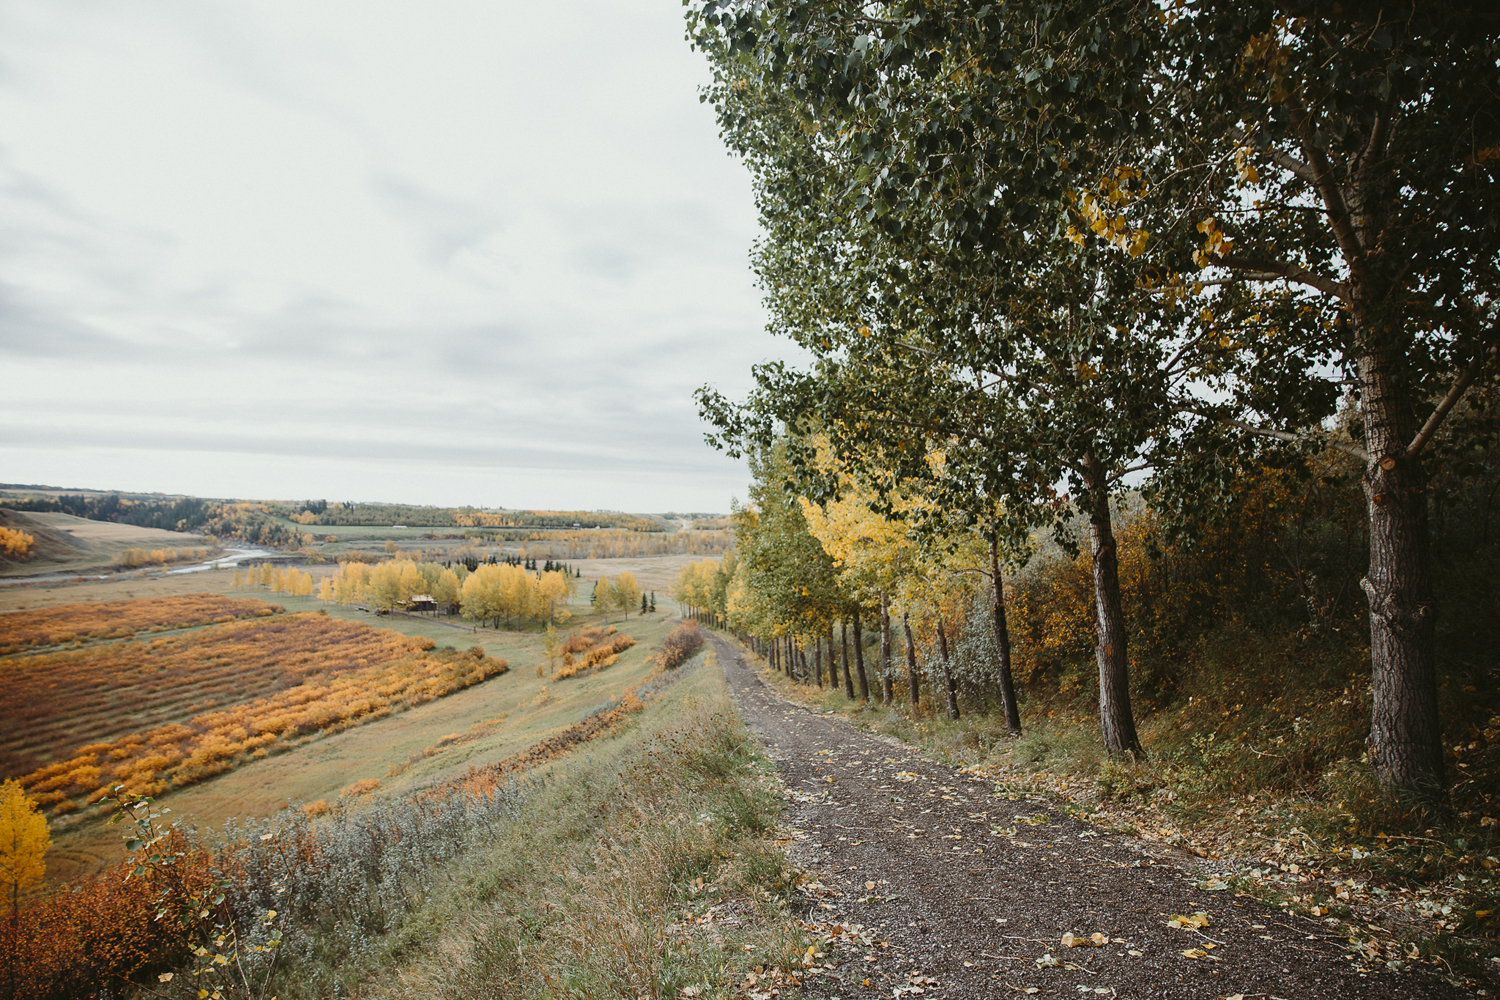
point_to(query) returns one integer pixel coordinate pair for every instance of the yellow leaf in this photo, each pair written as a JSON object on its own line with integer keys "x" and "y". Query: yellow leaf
{"x": 1195, "y": 953}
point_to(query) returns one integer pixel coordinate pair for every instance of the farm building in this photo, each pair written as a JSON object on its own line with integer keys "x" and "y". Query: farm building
{"x": 421, "y": 602}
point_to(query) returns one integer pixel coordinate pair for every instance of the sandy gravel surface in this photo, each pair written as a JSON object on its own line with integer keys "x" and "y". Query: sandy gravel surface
{"x": 956, "y": 888}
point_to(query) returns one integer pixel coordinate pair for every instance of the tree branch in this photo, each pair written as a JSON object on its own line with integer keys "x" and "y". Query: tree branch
{"x": 1285, "y": 160}
{"x": 1268, "y": 269}
{"x": 1348, "y": 447}
{"x": 1327, "y": 184}
{"x": 1449, "y": 401}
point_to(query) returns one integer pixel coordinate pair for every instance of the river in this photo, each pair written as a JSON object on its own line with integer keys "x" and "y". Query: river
{"x": 235, "y": 554}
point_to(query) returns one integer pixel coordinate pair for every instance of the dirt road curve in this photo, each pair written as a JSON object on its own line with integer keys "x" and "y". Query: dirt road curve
{"x": 957, "y": 883}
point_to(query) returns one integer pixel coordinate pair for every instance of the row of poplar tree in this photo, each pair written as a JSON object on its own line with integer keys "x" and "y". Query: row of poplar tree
{"x": 1044, "y": 252}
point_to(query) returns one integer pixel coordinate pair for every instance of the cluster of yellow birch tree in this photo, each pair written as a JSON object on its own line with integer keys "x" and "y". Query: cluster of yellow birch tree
{"x": 495, "y": 591}
{"x": 807, "y": 580}
{"x": 490, "y": 592}
{"x": 281, "y": 579}
{"x": 620, "y": 594}
{"x": 387, "y": 584}
{"x": 16, "y": 544}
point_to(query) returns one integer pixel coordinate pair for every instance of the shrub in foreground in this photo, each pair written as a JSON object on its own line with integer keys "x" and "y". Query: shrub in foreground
{"x": 683, "y": 642}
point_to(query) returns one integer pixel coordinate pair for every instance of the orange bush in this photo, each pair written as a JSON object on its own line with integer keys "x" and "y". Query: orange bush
{"x": 71, "y": 942}
{"x": 363, "y": 786}
{"x": 683, "y": 642}
{"x": 120, "y": 619}
{"x": 596, "y": 655}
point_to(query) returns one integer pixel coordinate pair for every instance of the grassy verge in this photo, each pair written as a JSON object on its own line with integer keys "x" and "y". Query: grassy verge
{"x": 645, "y": 868}
{"x": 645, "y": 864}
{"x": 1428, "y": 896}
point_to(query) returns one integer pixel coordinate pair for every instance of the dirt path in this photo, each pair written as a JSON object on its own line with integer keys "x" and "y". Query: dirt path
{"x": 961, "y": 889}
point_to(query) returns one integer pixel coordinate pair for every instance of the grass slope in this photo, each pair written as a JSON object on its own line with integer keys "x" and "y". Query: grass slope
{"x": 65, "y": 543}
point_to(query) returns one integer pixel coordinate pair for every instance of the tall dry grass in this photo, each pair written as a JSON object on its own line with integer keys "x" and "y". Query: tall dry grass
{"x": 183, "y": 708}
{"x": 66, "y": 623}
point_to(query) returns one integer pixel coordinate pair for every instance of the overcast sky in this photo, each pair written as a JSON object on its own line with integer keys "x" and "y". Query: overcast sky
{"x": 440, "y": 252}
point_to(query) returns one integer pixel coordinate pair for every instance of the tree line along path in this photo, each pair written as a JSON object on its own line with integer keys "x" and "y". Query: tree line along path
{"x": 965, "y": 891}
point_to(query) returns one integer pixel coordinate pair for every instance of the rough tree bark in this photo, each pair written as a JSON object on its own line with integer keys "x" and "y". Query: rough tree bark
{"x": 1405, "y": 731}
{"x": 947, "y": 673}
{"x": 911, "y": 661}
{"x": 859, "y": 659}
{"x": 1115, "y": 717}
{"x": 1002, "y": 642}
{"x": 848, "y": 677}
{"x": 885, "y": 652}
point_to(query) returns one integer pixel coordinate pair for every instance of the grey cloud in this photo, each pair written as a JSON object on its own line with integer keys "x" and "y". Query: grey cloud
{"x": 443, "y": 226}
{"x": 540, "y": 452}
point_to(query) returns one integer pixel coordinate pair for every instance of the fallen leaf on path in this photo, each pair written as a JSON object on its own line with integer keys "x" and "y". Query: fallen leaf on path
{"x": 1047, "y": 961}
{"x": 1195, "y": 953}
{"x": 1195, "y": 922}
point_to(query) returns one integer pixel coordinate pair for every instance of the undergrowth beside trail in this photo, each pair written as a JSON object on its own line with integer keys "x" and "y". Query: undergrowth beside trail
{"x": 641, "y": 870}
{"x": 1214, "y": 783}
{"x": 643, "y": 863}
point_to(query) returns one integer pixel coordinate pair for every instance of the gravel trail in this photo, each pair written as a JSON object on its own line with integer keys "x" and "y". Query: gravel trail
{"x": 961, "y": 889}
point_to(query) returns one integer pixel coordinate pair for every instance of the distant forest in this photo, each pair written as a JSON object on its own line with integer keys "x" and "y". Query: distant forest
{"x": 255, "y": 521}
{"x": 182, "y": 514}
{"x": 324, "y": 513}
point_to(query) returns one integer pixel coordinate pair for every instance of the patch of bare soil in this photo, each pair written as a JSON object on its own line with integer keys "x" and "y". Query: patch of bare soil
{"x": 955, "y": 887}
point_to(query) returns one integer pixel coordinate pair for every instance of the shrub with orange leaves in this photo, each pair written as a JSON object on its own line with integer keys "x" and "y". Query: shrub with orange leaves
{"x": 681, "y": 643}
{"x": 602, "y": 650}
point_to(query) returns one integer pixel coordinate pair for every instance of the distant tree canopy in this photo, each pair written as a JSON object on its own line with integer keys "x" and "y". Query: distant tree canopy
{"x": 182, "y": 514}
{"x": 372, "y": 514}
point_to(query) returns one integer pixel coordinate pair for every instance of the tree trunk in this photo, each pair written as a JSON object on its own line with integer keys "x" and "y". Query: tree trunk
{"x": 818, "y": 660}
{"x": 1115, "y": 717}
{"x": 1002, "y": 642}
{"x": 848, "y": 677}
{"x": 1405, "y": 731}
{"x": 947, "y": 673}
{"x": 859, "y": 659}
{"x": 911, "y": 661}
{"x": 886, "y": 695}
